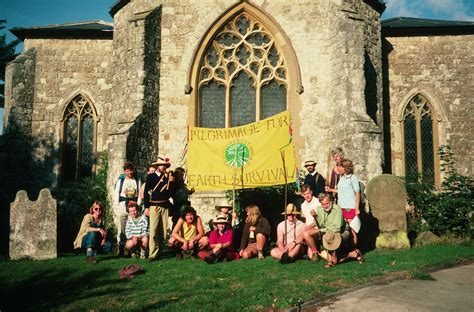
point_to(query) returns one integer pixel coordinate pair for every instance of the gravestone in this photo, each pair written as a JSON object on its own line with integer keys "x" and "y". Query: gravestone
{"x": 33, "y": 227}
{"x": 387, "y": 197}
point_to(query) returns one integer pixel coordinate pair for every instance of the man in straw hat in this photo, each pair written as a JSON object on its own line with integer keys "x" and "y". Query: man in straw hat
{"x": 288, "y": 249}
{"x": 158, "y": 191}
{"x": 220, "y": 241}
{"x": 335, "y": 234}
{"x": 315, "y": 181}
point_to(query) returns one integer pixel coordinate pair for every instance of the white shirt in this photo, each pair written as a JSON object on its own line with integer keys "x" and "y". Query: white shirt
{"x": 306, "y": 208}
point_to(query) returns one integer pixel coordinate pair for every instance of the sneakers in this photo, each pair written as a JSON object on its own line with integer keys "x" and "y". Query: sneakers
{"x": 134, "y": 255}
{"x": 260, "y": 255}
{"x": 142, "y": 256}
{"x": 91, "y": 259}
{"x": 211, "y": 259}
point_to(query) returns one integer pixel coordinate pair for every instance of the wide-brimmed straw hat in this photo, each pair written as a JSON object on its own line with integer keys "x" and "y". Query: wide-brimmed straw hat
{"x": 219, "y": 207}
{"x": 221, "y": 218}
{"x": 331, "y": 240}
{"x": 291, "y": 210}
{"x": 310, "y": 163}
{"x": 162, "y": 162}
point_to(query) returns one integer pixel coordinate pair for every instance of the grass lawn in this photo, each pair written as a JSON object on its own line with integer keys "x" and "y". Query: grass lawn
{"x": 69, "y": 283}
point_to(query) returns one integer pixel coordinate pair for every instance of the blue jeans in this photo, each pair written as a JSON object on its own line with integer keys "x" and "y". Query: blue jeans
{"x": 93, "y": 240}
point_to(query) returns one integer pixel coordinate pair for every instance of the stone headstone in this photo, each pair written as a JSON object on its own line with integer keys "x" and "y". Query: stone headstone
{"x": 387, "y": 197}
{"x": 33, "y": 227}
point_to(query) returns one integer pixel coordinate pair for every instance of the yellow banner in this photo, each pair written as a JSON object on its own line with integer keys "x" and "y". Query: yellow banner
{"x": 246, "y": 156}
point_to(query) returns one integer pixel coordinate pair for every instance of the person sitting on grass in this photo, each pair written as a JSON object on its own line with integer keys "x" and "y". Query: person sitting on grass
{"x": 308, "y": 209}
{"x": 188, "y": 234}
{"x": 136, "y": 231}
{"x": 336, "y": 236}
{"x": 92, "y": 233}
{"x": 220, "y": 241}
{"x": 255, "y": 234}
{"x": 288, "y": 249}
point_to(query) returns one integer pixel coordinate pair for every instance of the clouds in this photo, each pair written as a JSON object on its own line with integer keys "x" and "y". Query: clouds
{"x": 436, "y": 9}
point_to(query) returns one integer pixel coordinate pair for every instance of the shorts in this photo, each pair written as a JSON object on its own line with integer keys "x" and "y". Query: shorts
{"x": 348, "y": 213}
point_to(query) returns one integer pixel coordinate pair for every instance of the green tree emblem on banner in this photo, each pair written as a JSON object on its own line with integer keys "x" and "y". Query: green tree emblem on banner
{"x": 237, "y": 155}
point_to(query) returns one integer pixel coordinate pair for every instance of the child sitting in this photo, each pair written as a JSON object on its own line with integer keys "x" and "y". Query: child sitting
{"x": 136, "y": 231}
{"x": 220, "y": 241}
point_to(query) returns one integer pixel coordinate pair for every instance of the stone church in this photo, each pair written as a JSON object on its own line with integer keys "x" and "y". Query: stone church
{"x": 389, "y": 93}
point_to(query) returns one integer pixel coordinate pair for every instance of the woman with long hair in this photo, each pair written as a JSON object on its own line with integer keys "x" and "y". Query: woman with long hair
{"x": 255, "y": 234}
{"x": 92, "y": 233}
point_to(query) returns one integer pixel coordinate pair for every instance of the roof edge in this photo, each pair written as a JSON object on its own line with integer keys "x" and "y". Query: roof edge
{"x": 117, "y": 6}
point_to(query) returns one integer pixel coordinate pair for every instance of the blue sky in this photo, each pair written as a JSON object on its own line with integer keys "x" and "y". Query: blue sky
{"x": 26, "y": 13}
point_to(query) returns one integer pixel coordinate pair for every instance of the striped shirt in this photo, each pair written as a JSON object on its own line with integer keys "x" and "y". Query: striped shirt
{"x": 136, "y": 227}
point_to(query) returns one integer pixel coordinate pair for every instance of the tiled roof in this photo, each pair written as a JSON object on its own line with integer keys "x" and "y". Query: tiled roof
{"x": 410, "y": 26}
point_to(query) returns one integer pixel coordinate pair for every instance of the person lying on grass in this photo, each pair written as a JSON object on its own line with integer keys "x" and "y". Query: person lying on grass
{"x": 188, "y": 234}
{"x": 92, "y": 233}
{"x": 289, "y": 249}
{"x": 255, "y": 234}
{"x": 136, "y": 231}
{"x": 220, "y": 242}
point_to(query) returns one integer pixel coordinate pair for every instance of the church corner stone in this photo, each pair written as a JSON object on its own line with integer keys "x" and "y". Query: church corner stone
{"x": 387, "y": 198}
{"x": 33, "y": 226}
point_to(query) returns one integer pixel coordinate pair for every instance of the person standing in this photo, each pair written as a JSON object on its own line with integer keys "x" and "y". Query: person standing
{"x": 149, "y": 170}
{"x": 348, "y": 190}
{"x": 315, "y": 180}
{"x": 180, "y": 195}
{"x": 126, "y": 189}
{"x": 337, "y": 155}
{"x": 158, "y": 191}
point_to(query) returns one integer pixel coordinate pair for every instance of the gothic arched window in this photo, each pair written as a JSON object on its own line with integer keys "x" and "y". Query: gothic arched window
{"x": 419, "y": 143}
{"x": 242, "y": 77}
{"x": 79, "y": 139}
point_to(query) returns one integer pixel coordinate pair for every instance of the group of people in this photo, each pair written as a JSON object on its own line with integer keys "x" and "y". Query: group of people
{"x": 323, "y": 229}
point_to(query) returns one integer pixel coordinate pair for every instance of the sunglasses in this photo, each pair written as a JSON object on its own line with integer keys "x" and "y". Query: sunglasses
{"x": 97, "y": 209}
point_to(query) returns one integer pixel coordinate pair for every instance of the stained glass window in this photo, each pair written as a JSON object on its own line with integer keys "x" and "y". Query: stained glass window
{"x": 243, "y": 77}
{"x": 418, "y": 136}
{"x": 78, "y": 142}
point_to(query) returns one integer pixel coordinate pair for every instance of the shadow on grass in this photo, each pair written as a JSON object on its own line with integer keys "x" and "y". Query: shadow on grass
{"x": 50, "y": 289}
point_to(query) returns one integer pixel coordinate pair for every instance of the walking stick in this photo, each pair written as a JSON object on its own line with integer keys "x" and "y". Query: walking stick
{"x": 282, "y": 154}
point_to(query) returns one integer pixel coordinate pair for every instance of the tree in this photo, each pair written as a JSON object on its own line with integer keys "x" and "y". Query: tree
{"x": 7, "y": 54}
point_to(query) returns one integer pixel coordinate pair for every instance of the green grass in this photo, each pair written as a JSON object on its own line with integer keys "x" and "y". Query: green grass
{"x": 69, "y": 283}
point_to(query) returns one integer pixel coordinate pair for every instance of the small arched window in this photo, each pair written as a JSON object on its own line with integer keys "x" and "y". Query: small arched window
{"x": 419, "y": 127}
{"x": 242, "y": 77}
{"x": 79, "y": 139}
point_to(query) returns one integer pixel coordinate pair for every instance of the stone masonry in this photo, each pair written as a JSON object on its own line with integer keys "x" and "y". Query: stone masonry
{"x": 439, "y": 67}
{"x": 332, "y": 47}
{"x": 33, "y": 227}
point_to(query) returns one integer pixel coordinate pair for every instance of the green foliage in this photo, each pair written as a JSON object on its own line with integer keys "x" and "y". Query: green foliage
{"x": 447, "y": 211}
{"x": 75, "y": 199}
{"x": 7, "y": 54}
{"x": 69, "y": 284}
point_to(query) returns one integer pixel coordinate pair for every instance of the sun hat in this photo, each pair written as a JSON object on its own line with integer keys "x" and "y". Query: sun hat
{"x": 291, "y": 210}
{"x": 310, "y": 163}
{"x": 221, "y": 218}
{"x": 331, "y": 240}
{"x": 219, "y": 207}
{"x": 162, "y": 162}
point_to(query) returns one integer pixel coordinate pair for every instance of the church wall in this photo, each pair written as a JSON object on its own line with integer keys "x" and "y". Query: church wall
{"x": 134, "y": 118}
{"x": 330, "y": 46}
{"x": 62, "y": 69}
{"x": 441, "y": 68}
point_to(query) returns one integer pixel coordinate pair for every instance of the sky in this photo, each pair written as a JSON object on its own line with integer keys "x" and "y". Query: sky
{"x": 26, "y": 13}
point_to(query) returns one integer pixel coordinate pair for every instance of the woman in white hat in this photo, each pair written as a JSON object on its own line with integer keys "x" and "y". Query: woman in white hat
{"x": 220, "y": 241}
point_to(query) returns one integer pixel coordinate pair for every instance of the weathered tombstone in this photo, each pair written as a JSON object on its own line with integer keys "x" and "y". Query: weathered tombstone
{"x": 33, "y": 227}
{"x": 387, "y": 197}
